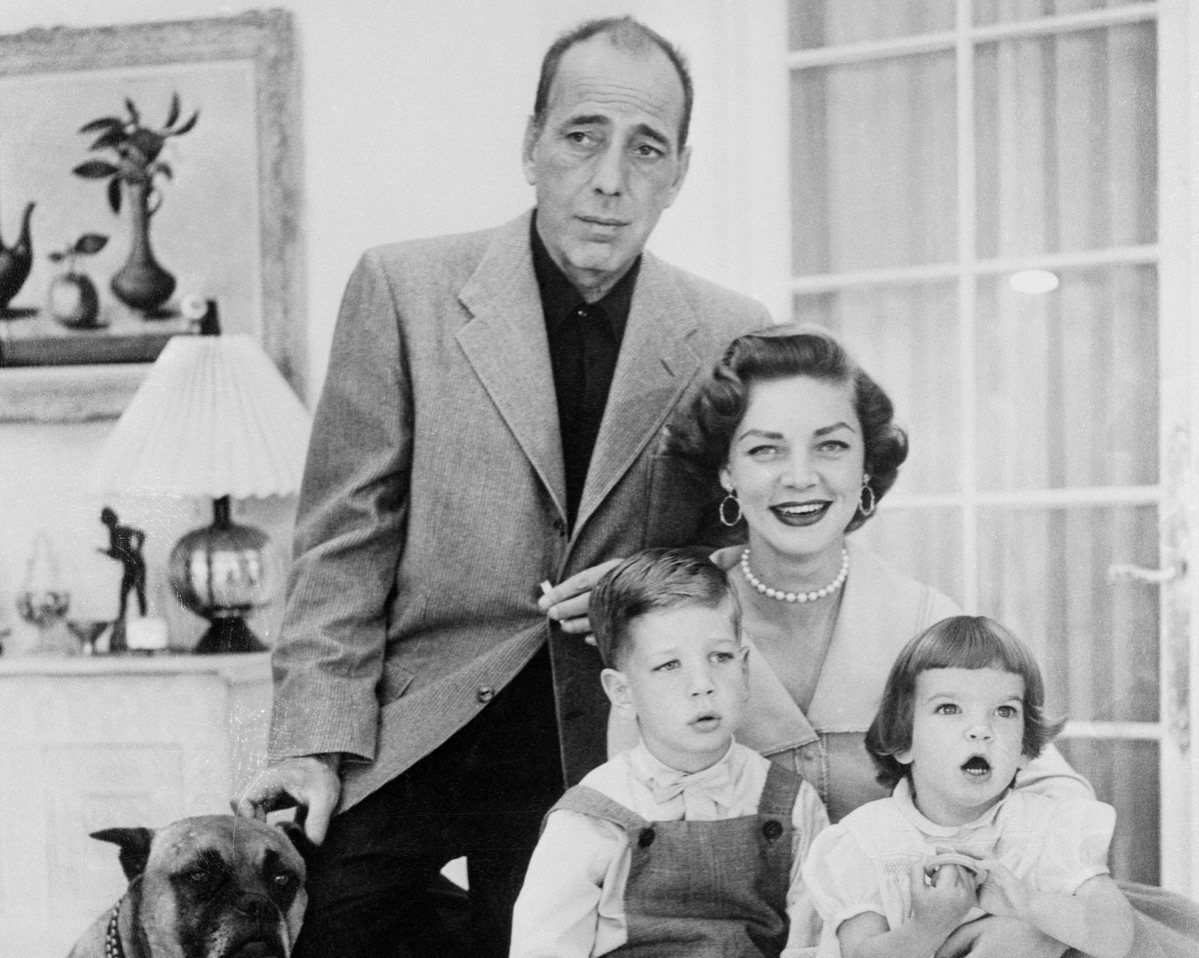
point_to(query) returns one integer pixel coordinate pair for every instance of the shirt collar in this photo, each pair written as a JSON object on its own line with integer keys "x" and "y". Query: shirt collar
{"x": 904, "y": 798}
{"x": 559, "y": 297}
{"x": 652, "y": 771}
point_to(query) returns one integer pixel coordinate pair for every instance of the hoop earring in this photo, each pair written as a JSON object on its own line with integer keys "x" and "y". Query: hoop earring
{"x": 867, "y": 511}
{"x": 730, "y": 496}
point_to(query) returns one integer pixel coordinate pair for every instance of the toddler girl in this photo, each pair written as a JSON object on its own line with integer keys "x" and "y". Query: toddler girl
{"x": 961, "y": 714}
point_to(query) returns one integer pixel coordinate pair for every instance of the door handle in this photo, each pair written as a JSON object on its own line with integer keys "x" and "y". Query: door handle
{"x": 1128, "y": 572}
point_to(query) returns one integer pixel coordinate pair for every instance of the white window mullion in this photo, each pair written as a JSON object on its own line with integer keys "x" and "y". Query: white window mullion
{"x": 967, "y": 300}
{"x": 923, "y": 43}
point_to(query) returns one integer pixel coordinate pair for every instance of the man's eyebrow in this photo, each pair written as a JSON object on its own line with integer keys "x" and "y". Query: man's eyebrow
{"x": 599, "y": 119}
{"x": 650, "y": 133}
{"x": 586, "y": 119}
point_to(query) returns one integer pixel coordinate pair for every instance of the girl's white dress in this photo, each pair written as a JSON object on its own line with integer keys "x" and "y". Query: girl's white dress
{"x": 862, "y": 863}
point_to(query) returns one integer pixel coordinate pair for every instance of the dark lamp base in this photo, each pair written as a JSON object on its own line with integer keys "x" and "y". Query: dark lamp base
{"x": 228, "y": 635}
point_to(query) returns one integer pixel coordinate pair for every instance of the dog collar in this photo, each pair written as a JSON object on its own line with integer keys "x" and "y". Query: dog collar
{"x": 112, "y": 937}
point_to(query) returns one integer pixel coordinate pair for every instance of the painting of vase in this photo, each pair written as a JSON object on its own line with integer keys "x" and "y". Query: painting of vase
{"x": 216, "y": 113}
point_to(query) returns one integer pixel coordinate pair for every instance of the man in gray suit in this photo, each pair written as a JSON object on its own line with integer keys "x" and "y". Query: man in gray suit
{"x": 492, "y": 419}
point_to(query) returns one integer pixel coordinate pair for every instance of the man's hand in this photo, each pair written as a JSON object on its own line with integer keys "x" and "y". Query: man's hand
{"x": 310, "y": 781}
{"x": 995, "y": 937}
{"x": 567, "y": 602}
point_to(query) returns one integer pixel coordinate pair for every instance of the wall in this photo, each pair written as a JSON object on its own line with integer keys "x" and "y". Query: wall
{"x": 413, "y": 117}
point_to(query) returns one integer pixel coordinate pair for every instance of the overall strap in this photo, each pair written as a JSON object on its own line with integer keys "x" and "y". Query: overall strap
{"x": 779, "y": 792}
{"x": 588, "y": 801}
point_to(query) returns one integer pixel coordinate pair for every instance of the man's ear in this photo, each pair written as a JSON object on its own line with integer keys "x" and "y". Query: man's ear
{"x": 532, "y": 134}
{"x": 616, "y": 687}
{"x": 680, "y": 176}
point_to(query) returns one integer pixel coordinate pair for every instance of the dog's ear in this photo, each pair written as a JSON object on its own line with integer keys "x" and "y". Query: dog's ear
{"x": 299, "y": 839}
{"x": 135, "y": 847}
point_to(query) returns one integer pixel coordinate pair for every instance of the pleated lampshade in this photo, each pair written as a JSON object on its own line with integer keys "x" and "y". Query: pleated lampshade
{"x": 214, "y": 418}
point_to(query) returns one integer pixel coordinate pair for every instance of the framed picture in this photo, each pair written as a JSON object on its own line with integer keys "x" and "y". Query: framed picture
{"x": 144, "y": 167}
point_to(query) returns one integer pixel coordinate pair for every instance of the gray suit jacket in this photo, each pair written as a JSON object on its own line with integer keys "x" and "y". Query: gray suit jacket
{"x": 434, "y": 500}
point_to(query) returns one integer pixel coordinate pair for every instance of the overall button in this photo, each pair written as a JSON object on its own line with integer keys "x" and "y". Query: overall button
{"x": 485, "y": 694}
{"x": 772, "y": 830}
{"x": 646, "y": 838}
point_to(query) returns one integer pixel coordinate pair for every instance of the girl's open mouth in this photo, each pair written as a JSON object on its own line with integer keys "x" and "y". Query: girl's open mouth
{"x": 976, "y": 767}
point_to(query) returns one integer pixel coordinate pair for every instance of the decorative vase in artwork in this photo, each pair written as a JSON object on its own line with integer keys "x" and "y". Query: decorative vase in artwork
{"x": 142, "y": 283}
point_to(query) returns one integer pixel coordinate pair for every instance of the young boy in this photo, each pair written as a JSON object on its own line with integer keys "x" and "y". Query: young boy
{"x": 687, "y": 843}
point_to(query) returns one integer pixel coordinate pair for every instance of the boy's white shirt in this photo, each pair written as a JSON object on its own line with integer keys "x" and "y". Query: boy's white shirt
{"x": 572, "y": 901}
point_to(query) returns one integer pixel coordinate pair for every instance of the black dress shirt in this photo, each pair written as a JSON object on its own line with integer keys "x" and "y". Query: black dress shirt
{"x": 584, "y": 340}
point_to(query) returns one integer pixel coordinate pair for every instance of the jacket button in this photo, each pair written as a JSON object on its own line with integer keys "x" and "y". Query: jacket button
{"x": 772, "y": 830}
{"x": 485, "y": 694}
{"x": 646, "y": 838}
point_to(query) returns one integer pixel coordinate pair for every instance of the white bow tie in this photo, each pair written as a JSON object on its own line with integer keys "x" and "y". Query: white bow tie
{"x": 703, "y": 792}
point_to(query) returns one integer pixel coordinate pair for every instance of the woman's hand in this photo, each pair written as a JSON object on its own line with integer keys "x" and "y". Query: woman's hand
{"x": 567, "y": 602}
{"x": 1003, "y": 893}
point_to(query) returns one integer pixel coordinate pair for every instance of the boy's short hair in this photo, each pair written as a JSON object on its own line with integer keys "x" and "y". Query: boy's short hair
{"x": 959, "y": 642}
{"x": 651, "y": 581}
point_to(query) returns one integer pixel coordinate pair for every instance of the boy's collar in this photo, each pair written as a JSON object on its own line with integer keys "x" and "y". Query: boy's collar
{"x": 702, "y": 793}
{"x": 650, "y": 769}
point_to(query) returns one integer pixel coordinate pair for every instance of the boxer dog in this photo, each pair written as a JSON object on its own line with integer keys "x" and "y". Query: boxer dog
{"x": 214, "y": 886}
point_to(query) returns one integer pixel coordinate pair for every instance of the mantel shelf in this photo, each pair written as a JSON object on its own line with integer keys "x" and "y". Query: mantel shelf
{"x": 235, "y": 669}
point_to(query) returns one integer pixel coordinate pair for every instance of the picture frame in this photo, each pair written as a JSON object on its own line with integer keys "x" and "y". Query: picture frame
{"x": 226, "y": 218}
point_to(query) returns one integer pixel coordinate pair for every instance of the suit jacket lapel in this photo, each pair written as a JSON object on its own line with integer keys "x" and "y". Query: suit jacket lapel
{"x": 506, "y": 344}
{"x": 656, "y": 362}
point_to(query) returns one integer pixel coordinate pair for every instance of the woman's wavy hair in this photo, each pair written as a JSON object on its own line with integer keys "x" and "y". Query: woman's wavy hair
{"x": 705, "y": 429}
{"x": 959, "y": 642}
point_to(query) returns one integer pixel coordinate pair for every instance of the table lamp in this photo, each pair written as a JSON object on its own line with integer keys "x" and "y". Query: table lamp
{"x": 214, "y": 418}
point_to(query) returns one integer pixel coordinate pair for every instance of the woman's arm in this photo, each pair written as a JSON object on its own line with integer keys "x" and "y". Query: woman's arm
{"x": 1096, "y": 919}
{"x": 808, "y": 819}
{"x": 1050, "y": 774}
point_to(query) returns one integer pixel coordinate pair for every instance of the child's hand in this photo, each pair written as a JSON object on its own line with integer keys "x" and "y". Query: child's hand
{"x": 1003, "y": 893}
{"x": 944, "y": 899}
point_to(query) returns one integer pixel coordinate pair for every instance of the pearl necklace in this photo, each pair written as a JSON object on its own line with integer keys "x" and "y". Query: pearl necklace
{"x": 796, "y": 596}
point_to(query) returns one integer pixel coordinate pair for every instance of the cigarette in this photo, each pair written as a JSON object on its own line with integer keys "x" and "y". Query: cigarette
{"x": 545, "y": 587}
